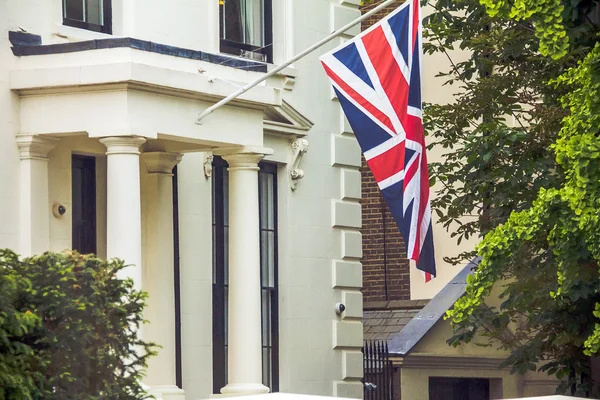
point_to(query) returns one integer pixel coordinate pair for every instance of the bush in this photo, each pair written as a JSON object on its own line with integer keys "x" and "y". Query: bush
{"x": 68, "y": 329}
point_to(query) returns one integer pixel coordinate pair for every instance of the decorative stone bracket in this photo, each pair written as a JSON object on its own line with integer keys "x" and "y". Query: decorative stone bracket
{"x": 208, "y": 168}
{"x": 299, "y": 147}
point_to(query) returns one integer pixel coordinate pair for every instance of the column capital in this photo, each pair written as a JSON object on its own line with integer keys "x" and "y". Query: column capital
{"x": 161, "y": 162}
{"x": 35, "y": 147}
{"x": 245, "y": 157}
{"x": 122, "y": 144}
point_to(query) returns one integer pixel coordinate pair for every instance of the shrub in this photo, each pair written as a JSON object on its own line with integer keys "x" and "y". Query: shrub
{"x": 68, "y": 329}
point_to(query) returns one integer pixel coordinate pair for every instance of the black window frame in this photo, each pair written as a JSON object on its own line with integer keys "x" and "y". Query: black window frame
{"x": 236, "y": 48}
{"x": 104, "y": 28}
{"x": 219, "y": 287}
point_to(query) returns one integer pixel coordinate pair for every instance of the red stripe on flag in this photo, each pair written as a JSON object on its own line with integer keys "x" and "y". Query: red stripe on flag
{"x": 428, "y": 277}
{"x": 413, "y": 127}
{"x": 389, "y": 163}
{"x": 359, "y": 99}
{"x": 387, "y": 69}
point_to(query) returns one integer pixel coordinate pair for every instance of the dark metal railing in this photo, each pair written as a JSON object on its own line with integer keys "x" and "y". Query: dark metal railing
{"x": 378, "y": 371}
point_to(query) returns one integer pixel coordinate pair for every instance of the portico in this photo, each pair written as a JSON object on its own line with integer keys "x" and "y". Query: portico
{"x": 139, "y": 230}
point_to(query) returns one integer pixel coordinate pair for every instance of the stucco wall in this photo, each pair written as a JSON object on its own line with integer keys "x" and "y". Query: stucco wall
{"x": 9, "y": 154}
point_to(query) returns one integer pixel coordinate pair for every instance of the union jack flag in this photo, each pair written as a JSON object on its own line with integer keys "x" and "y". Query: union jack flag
{"x": 377, "y": 79}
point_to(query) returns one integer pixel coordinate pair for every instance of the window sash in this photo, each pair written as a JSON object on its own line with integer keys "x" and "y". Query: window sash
{"x": 92, "y": 15}
{"x": 247, "y": 25}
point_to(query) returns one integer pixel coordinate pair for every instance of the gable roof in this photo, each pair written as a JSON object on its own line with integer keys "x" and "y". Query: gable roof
{"x": 286, "y": 120}
{"x": 404, "y": 341}
{"x": 384, "y": 324}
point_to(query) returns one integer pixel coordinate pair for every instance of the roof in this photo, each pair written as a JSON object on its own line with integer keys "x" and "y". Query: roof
{"x": 404, "y": 341}
{"x": 383, "y": 324}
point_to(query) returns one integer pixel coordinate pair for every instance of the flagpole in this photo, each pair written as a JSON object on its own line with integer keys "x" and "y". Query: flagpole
{"x": 298, "y": 56}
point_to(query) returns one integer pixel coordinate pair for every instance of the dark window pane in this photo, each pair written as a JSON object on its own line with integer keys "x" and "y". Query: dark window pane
{"x": 266, "y": 370}
{"x": 226, "y": 314}
{"x": 226, "y": 363}
{"x": 264, "y": 261}
{"x": 93, "y": 15}
{"x": 459, "y": 388}
{"x": 264, "y": 212}
{"x": 214, "y": 255}
{"x": 243, "y": 22}
{"x": 265, "y": 310}
{"x": 231, "y": 23}
{"x": 83, "y": 192}
{"x": 76, "y": 194}
{"x": 270, "y": 256}
{"x": 225, "y": 204}
{"x": 73, "y": 9}
{"x": 94, "y": 12}
{"x": 270, "y": 201}
{"x": 226, "y": 255}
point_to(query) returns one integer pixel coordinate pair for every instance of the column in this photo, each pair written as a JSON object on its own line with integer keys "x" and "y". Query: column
{"x": 245, "y": 347}
{"x": 158, "y": 274}
{"x": 35, "y": 204}
{"x": 123, "y": 209}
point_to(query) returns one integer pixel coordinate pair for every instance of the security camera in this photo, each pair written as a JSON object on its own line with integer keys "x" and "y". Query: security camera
{"x": 58, "y": 210}
{"x": 340, "y": 308}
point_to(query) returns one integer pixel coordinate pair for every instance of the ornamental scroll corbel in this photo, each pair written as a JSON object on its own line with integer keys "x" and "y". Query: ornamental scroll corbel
{"x": 299, "y": 147}
{"x": 208, "y": 168}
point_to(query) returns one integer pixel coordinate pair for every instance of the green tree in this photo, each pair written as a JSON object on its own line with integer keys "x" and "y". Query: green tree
{"x": 520, "y": 168}
{"x": 68, "y": 329}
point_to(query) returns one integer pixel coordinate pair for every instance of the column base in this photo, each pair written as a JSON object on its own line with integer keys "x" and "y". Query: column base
{"x": 241, "y": 389}
{"x": 166, "y": 392}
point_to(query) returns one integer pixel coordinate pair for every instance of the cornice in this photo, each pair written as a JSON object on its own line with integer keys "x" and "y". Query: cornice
{"x": 453, "y": 362}
{"x": 129, "y": 75}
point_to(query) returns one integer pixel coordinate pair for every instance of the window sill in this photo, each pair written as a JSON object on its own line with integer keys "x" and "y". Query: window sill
{"x": 73, "y": 34}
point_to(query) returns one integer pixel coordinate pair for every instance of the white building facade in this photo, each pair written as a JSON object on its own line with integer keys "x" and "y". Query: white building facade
{"x": 244, "y": 229}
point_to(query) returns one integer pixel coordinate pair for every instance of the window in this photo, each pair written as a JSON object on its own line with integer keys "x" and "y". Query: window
{"x": 267, "y": 200}
{"x": 93, "y": 15}
{"x": 177, "y": 280}
{"x": 459, "y": 389}
{"x": 247, "y": 28}
{"x": 268, "y": 260}
{"x": 83, "y": 197}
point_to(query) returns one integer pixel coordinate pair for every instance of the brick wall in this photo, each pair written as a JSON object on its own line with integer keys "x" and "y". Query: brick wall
{"x": 385, "y": 267}
{"x": 374, "y": 18}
